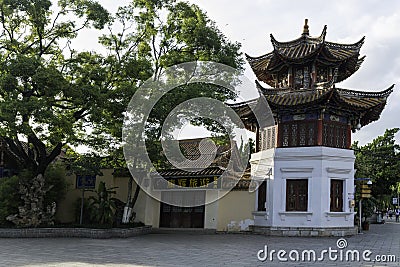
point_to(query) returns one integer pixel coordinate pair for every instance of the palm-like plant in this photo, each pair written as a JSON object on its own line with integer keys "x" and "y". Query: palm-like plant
{"x": 102, "y": 206}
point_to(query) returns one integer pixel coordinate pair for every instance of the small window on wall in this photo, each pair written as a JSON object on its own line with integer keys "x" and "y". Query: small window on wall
{"x": 262, "y": 197}
{"x": 336, "y": 195}
{"x": 296, "y": 194}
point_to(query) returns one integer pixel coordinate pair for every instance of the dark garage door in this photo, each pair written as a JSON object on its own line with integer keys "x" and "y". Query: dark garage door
{"x": 182, "y": 217}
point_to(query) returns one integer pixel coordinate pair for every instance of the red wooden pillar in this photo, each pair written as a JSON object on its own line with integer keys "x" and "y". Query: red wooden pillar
{"x": 278, "y": 135}
{"x": 319, "y": 132}
{"x": 348, "y": 136}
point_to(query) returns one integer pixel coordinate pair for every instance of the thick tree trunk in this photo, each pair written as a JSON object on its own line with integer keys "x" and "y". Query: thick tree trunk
{"x": 130, "y": 203}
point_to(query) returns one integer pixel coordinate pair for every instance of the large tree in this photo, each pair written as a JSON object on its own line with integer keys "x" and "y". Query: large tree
{"x": 52, "y": 95}
{"x": 380, "y": 161}
{"x": 151, "y": 36}
{"x": 48, "y": 91}
{"x": 154, "y": 35}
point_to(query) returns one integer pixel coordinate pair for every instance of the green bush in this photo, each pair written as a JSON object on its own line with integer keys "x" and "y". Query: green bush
{"x": 9, "y": 198}
{"x": 102, "y": 206}
{"x": 55, "y": 180}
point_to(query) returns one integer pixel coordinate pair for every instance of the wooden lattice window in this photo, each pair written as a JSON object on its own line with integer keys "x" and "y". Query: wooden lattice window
{"x": 311, "y": 134}
{"x": 302, "y": 139}
{"x": 296, "y": 194}
{"x": 293, "y": 136}
{"x": 298, "y": 78}
{"x": 298, "y": 133}
{"x": 336, "y": 196}
{"x": 306, "y": 78}
{"x": 285, "y": 135}
{"x": 335, "y": 134}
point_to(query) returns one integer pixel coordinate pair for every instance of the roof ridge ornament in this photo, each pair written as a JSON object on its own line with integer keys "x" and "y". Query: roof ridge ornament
{"x": 305, "y": 28}
{"x": 323, "y": 34}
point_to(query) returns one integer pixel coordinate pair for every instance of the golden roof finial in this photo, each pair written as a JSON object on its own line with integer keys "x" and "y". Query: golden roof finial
{"x": 305, "y": 29}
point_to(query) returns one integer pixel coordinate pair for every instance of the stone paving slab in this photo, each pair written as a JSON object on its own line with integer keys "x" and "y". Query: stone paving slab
{"x": 185, "y": 249}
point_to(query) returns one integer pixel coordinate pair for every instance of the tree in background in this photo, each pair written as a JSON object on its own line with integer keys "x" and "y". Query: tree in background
{"x": 48, "y": 91}
{"x": 380, "y": 161}
{"x": 152, "y": 36}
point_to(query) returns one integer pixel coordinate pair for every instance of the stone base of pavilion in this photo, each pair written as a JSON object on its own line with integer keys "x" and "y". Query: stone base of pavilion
{"x": 318, "y": 168}
{"x": 304, "y": 231}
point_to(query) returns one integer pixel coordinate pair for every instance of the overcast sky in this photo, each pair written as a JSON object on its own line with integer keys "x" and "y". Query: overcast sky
{"x": 251, "y": 23}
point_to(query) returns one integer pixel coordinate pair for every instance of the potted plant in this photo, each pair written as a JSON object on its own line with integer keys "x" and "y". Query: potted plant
{"x": 368, "y": 209}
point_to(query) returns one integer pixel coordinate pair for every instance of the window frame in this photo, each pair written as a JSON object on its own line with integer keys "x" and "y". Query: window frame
{"x": 336, "y": 196}
{"x": 299, "y": 204}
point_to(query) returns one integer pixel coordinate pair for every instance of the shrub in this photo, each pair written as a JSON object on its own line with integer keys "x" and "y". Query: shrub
{"x": 56, "y": 182}
{"x": 9, "y": 198}
{"x": 102, "y": 206}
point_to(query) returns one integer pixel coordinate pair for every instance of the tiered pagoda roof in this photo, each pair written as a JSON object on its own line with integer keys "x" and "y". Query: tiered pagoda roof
{"x": 302, "y": 74}
{"x": 345, "y": 57}
{"x": 369, "y": 104}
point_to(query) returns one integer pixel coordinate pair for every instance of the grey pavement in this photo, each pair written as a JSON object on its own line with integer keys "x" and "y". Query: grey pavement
{"x": 183, "y": 249}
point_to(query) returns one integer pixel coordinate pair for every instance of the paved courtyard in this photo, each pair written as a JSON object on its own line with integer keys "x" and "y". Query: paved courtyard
{"x": 185, "y": 249}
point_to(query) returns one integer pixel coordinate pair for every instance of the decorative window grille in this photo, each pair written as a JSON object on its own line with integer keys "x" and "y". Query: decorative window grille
{"x": 311, "y": 134}
{"x": 344, "y": 137}
{"x": 302, "y": 139}
{"x": 336, "y": 197}
{"x": 298, "y": 79}
{"x": 268, "y": 138}
{"x": 338, "y": 135}
{"x": 296, "y": 194}
{"x": 331, "y": 135}
{"x": 293, "y": 138}
{"x": 306, "y": 78}
{"x": 285, "y": 135}
{"x": 335, "y": 134}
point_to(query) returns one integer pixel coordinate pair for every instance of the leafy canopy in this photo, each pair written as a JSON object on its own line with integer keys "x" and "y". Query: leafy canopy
{"x": 380, "y": 161}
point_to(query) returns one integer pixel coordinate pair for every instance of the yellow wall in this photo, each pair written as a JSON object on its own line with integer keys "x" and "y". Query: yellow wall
{"x": 228, "y": 212}
{"x": 234, "y": 208}
{"x": 66, "y": 208}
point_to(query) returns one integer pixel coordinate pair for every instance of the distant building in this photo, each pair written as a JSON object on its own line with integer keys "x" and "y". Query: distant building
{"x": 201, "y": 184}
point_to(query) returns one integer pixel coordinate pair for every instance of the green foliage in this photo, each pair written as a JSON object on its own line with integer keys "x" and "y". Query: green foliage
{"x": 380, "y": 161}
{"x": 368, "y": 207}
{"x": 85, "y": 164}
{"x": 50, "y": 93}
{"x": 102, "y": 206}
{"x": 46, "y": 91}
{"x": 56, "y": 182}
{"x": 167, "y": 33}
{"x": 9, "y": 197}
